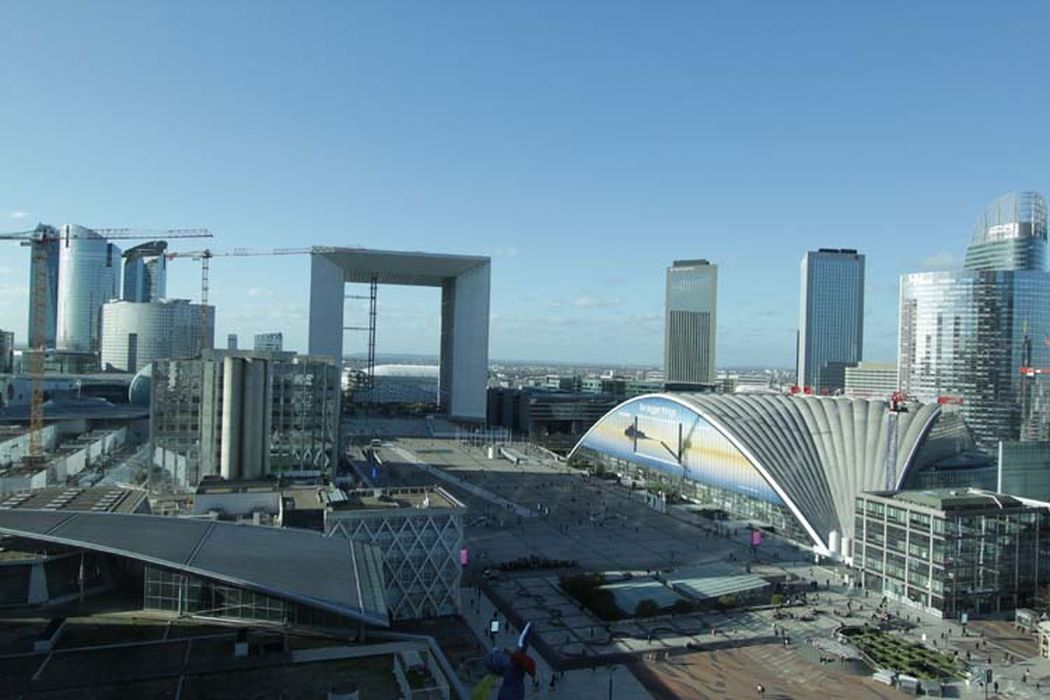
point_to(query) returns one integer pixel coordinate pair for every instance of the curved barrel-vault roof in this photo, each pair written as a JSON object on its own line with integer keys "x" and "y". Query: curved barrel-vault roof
{"x": 816, "y": 453}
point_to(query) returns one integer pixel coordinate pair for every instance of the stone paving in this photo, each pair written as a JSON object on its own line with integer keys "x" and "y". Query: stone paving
{"x": 603, "y": 527}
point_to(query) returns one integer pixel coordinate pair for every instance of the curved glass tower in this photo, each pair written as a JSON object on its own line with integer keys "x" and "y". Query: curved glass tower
{"x": 1010, "y": 234}
{"x": 88, "y": 273}
{"x": 966, "y": 334}
{"x": 146, "y": 272}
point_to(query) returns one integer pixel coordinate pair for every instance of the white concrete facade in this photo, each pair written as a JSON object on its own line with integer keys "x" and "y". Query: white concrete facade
{"x": 464, "y": 283}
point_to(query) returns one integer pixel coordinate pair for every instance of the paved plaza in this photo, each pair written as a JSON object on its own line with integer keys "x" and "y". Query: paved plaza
{"x": 541, "y": 508}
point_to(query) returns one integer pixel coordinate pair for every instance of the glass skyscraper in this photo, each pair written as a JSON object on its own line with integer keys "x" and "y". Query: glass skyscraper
{"x": 689, "y": 326}
{"x": 88, "y": 277}
{"x": 831, "y": 318}
{"x": 966, "y": 334}
{"x": 146, "y": 272}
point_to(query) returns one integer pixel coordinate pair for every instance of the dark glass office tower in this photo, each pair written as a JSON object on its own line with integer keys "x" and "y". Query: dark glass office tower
{"x": 831, "y": 318}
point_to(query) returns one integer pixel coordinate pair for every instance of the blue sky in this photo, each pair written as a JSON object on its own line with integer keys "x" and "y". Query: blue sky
{"x": 583, "y": 145}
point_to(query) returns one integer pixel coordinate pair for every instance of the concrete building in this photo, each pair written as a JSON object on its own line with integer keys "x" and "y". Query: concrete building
{"x": 966, "y": 335}
{"x": 88, "y": 277}
{"x": 464, "y": 283}
{"x": 794, "y": 464}
{"x": 231, "y": 341}
{"x": 690, "y": 322}
{"x": 871, "y": 380}
{"x": 269, "y": 342}
{"x": 830, "y": 318}
{"x": 50, "y": 292}
{"x": 134, "y": 334}
{"x": 7, "y": 352}
{"x": 952, "y": 551}
{"x": 146, "y": 272}
{"x": 244, "y": 415}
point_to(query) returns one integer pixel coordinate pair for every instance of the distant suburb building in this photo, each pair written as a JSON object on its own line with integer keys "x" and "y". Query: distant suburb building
{"x": 244, "y": 415}
{"x": 690, "y": 322}
{"x": 830, "y": 318}
{"x": 952, "y": 551}
{"x": 269, "y": 342}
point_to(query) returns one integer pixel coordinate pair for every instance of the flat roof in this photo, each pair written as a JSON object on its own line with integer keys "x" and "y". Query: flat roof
{"x": 94, "y": 499}
{"x": 392, "y": 498}
{"x": 954, "y": 499}
{"x": 398, "y": 267}
{"x": 330, "y": 573}
{"x": 714, "y": 581}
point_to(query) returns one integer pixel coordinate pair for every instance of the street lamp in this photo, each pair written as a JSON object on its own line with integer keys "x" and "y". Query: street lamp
{"x": 611, "y": 669}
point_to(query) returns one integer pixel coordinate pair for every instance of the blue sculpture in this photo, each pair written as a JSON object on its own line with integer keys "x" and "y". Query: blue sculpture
{"x": 511, "y": 666}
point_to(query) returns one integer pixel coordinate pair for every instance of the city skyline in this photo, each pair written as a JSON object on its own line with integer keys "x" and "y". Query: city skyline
{"x": 495, "y": 135}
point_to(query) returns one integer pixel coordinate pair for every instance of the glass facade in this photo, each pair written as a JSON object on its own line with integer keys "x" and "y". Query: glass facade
{"x": 300, "y": 418}
{"x": 184, "y": 594}
{"x": 691, "y": 320}
{"x": 146, "y": 272}
{"x": 980, "y": 557}
{"x": 965, "y": 335}
{"x": 135, "y": 334}
{"x": 831, "y": 318}
{"x": 88, "y": 277}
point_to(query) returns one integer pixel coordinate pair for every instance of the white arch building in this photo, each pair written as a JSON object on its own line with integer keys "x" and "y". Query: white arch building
{"x": 464, "y": 283}
{"x": 796, "y": 463}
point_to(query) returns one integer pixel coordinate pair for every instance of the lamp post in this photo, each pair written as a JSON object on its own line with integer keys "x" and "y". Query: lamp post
{"x": 611, "y": 669}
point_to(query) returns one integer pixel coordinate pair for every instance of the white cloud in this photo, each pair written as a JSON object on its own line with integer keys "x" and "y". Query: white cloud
{"x": 259, "y": 292}
{"x": 18, "y": 214}
{"x": 588, "y": 301}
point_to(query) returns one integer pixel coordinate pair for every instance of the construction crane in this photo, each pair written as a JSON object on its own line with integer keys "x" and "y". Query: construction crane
{"x": 38, "y": 240}
{"x": 204, "y": 256}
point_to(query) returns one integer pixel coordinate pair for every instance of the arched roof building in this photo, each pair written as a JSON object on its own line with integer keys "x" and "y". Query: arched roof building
{"x": 794, "y": 462}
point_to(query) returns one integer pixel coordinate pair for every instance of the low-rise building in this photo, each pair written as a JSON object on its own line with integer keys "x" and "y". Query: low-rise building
{"x": 418, "y": 530}
{"x": 554, "y": 418}
{"x": 952, "y": 551}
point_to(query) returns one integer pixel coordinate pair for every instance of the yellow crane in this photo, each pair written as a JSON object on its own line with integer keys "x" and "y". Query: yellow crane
{"x": 38, "y": 241}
